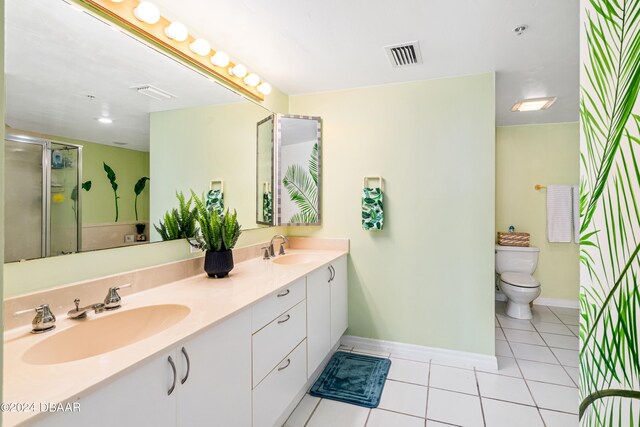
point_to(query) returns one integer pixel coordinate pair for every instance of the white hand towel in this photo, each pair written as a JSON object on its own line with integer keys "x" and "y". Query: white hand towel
{"x": 576, "y": 213}
{"x": 559, "y": 213}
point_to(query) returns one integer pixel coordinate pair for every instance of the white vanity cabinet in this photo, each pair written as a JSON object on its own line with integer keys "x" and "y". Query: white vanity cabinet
{"x": 217, "y": 390}
{"x": 339, "y": 299}
{"x": 326, "y": 311}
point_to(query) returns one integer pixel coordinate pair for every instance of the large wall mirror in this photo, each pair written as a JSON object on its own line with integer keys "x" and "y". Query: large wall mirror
{"x": 102, "y": 131}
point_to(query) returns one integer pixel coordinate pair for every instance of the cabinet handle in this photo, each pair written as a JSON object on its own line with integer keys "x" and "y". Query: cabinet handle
{"x": 186, "y": 356}
{"x": 173, "y": 368}
{"x": 282, "y": 321}
{"x": 282, "y": 368}
{"x": 330, "y": 274}
{"x": 332, "y": 271}
{"x": 284, "y": 294}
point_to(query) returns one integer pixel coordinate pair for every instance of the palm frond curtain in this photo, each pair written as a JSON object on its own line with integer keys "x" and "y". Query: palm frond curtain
{"x": 610, "y": 213}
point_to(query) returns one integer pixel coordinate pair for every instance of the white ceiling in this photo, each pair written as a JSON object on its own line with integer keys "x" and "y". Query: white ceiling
{"x": 315, "y": 46}
{"x": 56, "y": 55}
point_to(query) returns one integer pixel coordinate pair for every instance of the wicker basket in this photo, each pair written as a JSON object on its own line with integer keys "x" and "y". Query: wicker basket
{"x": 513, "y": 239}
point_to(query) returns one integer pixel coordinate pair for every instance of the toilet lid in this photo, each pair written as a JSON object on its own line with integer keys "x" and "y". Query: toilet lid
{"x": 523, "y": 280}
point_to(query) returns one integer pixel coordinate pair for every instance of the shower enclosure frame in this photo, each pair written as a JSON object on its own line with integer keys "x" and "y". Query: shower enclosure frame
{"x": 47, "y": 151}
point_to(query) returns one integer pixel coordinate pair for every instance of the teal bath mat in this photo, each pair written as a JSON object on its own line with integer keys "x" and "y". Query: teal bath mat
{"x": 353, "y": 378}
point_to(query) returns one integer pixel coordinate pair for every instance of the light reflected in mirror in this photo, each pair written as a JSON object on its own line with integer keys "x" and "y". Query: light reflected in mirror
{"x": 299, "y": 170}
{"x": 91, "y": 112}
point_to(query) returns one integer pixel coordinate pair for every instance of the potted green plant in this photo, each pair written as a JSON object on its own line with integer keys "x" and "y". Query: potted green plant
{"x": 219, "y": 235}
{"x": 178, "y": 223}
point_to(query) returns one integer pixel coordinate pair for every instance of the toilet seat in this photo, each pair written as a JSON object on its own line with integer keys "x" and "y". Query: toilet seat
{"x": 521, "y": 280}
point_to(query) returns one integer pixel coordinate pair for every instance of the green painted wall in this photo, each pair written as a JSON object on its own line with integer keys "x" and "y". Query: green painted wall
{"x": 610, "y": 213}
{"x": 530, "y": 155}
{"x": 206, "y": 143}
{"x": 428, "y": 278}
{"x": 129, "y": 165}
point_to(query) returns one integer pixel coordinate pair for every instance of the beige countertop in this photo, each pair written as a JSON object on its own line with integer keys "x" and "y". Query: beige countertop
{"x": 210, "y": 302}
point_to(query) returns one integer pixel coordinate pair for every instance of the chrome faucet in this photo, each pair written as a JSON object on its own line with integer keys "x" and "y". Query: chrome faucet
{"x": 43, "y": 321}
{"x": 272, "y": 252}
{"x": 113, "y": 300}
{"x": 81, "y": 313}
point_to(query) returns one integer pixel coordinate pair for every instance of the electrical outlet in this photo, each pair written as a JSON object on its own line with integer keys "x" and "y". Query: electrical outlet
{"x": 129, "y": 238}
{"x": 193, "y": 250}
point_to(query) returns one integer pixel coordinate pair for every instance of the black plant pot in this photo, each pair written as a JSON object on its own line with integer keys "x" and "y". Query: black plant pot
{"x": 218, "y": 264}
{"x": 140, "y": 228}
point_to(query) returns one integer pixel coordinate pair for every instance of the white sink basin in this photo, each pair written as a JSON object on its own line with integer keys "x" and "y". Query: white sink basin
{"x": 295, "y": 259}
{"x": 105, "y": 332}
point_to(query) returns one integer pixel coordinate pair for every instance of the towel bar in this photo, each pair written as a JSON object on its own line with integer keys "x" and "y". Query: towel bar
{"x": 367, "y": 178}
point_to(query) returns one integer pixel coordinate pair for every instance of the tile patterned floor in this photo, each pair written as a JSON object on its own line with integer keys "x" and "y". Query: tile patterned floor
{"x": 535, "y": 385}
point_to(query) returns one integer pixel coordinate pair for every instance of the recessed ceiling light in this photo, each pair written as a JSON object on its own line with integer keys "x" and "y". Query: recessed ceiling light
{"x": 533, "y": 104}
{"x": 120, "y": 143}
{"x": 105, "y": 120}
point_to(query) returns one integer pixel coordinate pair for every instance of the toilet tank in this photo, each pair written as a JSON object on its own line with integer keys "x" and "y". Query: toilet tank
{"x": 516, "y": 259}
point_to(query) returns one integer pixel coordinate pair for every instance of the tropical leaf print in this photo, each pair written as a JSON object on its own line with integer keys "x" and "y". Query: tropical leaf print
{"x": 302, "y": 186}
{"x": 372, "y": 209}
{"x": 610, "y": 215}
{"x": 215, "y": 201}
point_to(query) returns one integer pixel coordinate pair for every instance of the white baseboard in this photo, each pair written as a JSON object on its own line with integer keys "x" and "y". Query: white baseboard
{"x": 557, "y": 302}
{"x": 422, "y": 353}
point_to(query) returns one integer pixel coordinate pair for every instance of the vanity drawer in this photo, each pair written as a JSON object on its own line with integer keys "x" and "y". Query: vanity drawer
{"x": 272, "y": 397}
{"x": 274, "y": 305}
{"x": 277, "y": 339}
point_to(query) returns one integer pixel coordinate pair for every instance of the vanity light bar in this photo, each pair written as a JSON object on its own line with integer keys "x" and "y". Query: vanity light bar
{"x": 145, "y": 19}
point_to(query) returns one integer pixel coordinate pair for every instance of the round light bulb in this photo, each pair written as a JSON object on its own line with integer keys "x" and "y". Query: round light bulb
{"x": 177, "y": 31}
{"x": 264, "y": 88}
{"x": 200, "y": 47}
{"x": 238, "y": 70}
{"x": 252, "y": 79}
{"x": 147, "y": 12}
{"x": 220, "y": 59}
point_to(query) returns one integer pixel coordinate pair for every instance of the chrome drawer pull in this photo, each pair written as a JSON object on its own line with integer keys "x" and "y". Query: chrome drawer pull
{"x": 186, "y": 356}
{"x": 285, "y": 366}
{"x": 173, "y": 368}
{"x": 282, "y": 321}
{"x": 284, "y": 294}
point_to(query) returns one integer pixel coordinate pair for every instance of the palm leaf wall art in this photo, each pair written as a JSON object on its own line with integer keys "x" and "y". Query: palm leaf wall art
{"x": 302, "y": 185}
{"x": 610, "y": 214}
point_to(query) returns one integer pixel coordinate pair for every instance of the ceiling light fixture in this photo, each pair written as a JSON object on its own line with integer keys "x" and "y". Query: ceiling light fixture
{"x": 105, "y": 120}
{"x": 174, "y": 36}
{"x": 220, "y": 59}
{"x": 533, "y": 104}
{"x": 200, "y": 47}
{"x": 264, "y": 88}
{"x": 147, "y": 12}
{"x": 252, "y": 79}
{"x": 238, "y": 70}
{"x": 177, "y": 31}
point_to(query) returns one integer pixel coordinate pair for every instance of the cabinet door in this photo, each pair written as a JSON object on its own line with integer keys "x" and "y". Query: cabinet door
{"x": 137, "y": 398}
{"x": 217, "y": 391}
{"x": 318, "y": 318}
{"x": 339, "y": 300}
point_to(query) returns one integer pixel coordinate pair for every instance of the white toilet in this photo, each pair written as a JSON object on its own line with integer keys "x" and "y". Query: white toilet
{"x": 515, "y": 265}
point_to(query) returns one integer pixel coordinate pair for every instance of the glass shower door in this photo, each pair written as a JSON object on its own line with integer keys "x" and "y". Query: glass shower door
{"x": 25, "y": 213}
{"x": 64, "y": 206}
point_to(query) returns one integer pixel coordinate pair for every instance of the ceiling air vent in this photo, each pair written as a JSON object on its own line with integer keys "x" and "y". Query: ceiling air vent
{"x": 404, "y": 55}
{"x": 153, "y": 92}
